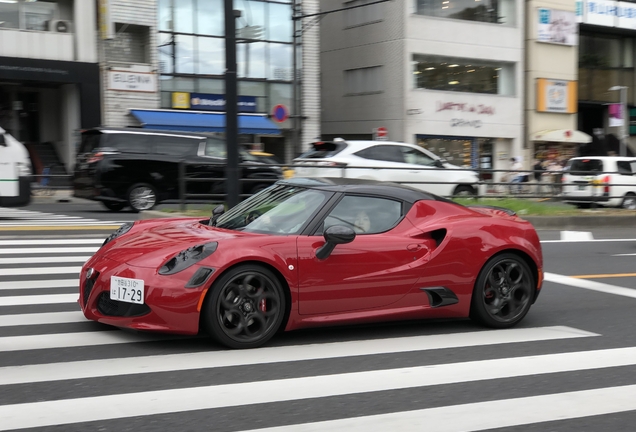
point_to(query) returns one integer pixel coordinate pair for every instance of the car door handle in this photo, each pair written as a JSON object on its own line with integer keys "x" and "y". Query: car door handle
{"x": 414, "y": 247}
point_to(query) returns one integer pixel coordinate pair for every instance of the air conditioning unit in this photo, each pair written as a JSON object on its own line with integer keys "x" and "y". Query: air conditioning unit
{"x": 60, "y": 26}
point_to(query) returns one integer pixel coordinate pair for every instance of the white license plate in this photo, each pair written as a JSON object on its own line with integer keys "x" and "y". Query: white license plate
{"x": 582, "y": 187}
{"x": 127, "y": 290}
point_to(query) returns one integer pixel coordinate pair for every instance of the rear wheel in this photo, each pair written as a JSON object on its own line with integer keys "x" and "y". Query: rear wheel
{"x": 114, "y": 206}
{"x": 503, "y": 292}
{"x": 629, "y": 201}
{"x": 245, "y": 307}
{"x": 142, "y": 197}
{"x": 464, "y": 191}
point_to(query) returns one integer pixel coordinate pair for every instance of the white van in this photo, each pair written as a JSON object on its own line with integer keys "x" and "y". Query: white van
{"x": 15, "y": 172}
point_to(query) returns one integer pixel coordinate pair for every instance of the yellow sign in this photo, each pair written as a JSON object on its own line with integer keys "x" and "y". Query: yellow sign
{"x": 181, "y": 100}
{"x": 556, "y": 96}
{"x": 105, "y": 21}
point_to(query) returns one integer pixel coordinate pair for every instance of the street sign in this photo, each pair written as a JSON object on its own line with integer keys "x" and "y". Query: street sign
{"x": 280, "y": 113}
{"x": 380, "y": 134}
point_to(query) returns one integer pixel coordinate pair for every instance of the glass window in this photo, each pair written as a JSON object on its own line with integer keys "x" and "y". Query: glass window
{"x": 9, "y": 15}
{"x": 184, "y": 16}
{"x": 280, "y": 94}
{"x": 251, "y": 88}
{"x": 416, "y": 157}
{"x": 280, "y": 62}
{"x": 624, "y": 167}
{"x": 166, "y": 47}
{"x": 363, "y": 80}
{"x": 599, "y": 51}
{"x": 490, "y": 11}
{"x": 210, "y": 17}
{"x": 215, "y": 147}
{"x": 388, "y": 153}
{"x": 38, "y": 15}
{"x": 215, "y": 86}
{"x": 362, "y": 15}
{"x": 129, "y": 142}
{"x": 184, "y": 84}
{"x": 366, "y": 215}
{"x": 211, "y": 56}
{"x": 164, "y": 15}
{"x": 250, "y": 59}
{"x": 253, "y": 19}
{"x": 185, "y": 54}
{"x": 175, "y": 146}
{"x": 280, "y": 26}
{"x": 462, "y": 75}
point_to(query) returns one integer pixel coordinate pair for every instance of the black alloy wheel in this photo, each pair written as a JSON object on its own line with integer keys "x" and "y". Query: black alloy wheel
{"x": 503, "y": 292}
{"x": 245, "y": 307}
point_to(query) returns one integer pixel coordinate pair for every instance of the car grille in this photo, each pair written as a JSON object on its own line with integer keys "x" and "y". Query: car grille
{"x": 109, "y": 307}
{"x": 88, "y": 287}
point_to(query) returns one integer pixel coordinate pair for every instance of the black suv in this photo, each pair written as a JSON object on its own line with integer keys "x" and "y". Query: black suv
{"x": 140, "y": 168}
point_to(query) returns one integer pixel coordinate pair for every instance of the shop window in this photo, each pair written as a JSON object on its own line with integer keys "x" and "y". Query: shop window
{"x": 29, "y": 16}
{"x": 489, "y": 11}
{"x": 363, "y": 80}
{"x": 463, "y": 75}
{"x": 130, "y": 44}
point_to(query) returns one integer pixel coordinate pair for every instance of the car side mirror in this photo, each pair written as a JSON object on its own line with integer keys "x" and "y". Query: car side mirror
{"x": 2, "y": 141}
{"x": 216, "y": 212}
{"x": 335, "y": 235}
{"x": 439, "y": 163}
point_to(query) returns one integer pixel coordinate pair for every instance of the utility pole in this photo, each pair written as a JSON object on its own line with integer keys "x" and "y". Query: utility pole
{"x": 296, "y": 12}
{"x": 231, "y": 106}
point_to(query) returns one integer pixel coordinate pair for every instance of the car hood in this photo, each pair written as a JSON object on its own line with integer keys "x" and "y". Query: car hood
{"x": 154, "y": 245}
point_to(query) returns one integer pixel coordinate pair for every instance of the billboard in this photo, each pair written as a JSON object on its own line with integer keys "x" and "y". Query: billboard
{"x": 558, "y": 27}
{"x": 556, "y": 96}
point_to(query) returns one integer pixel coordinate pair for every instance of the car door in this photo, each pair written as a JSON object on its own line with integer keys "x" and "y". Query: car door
{"x": 372, "y": 271}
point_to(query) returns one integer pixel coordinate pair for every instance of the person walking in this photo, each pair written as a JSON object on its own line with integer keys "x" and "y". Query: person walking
{"x": 516, "y": 175}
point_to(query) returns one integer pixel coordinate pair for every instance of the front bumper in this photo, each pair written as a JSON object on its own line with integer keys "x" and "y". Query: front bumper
{"x": 168, "y": 306}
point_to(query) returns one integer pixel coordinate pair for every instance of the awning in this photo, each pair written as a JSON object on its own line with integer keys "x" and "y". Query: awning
{"x": 562, "y": 136}
{"x": 197, "y": 121}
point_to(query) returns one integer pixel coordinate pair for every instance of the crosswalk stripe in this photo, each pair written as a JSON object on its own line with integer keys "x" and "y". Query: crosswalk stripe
{"x": 38, "y": 300}
{"x": 479, "y": 416}
{"x": 44, "y": 260}
{"x": 41, "y": 318}
{"x": 590, "y": 285}
{"x": 190, "y": 361}
{"x": 23, "y": 251}
{"x": 228, "y": 395}
{"x": 40, "y": 271}
{"x": 79, "y": 339}
{"x": 46, "y": 241}
{"x": 34, "y": 284}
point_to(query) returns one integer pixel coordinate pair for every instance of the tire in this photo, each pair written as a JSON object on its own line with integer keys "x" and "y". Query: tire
{"x": 245, "y": 307}
{"x": 464, "y": 191}
{"x": 114, "y": 206}
{"x": 629, "y": 201}
{"x": 142, "y": 196}
{"x": 583, "y": 205}
{"x": 503, "y": 292}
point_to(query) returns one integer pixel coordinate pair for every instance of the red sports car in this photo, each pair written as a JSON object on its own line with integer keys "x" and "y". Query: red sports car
{"x": 314, "y": 252}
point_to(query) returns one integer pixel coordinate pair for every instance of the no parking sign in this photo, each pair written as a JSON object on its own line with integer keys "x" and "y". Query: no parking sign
{"x": 280, "y": 113}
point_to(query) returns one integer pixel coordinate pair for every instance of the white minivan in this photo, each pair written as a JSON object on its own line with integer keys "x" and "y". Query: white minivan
{"x": 15, "y": 172}
{"x": 608, "y": 181}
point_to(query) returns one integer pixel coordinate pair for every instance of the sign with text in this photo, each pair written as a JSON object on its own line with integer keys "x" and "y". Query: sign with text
{"x": 556, "y": 96}
{"x": 607, "y": 13}
{"x": 557, "y": 26}
{"x": 210, "y": 102}
{"x": 132, "y": 81}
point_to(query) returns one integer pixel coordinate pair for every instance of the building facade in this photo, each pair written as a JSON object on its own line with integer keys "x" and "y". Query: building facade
{"x": 444, "y": 74}
{"x": 49, "y": 77}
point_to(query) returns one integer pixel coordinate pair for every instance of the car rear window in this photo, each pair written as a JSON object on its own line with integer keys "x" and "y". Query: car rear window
{"x": 90, "y": 141}
{"x": 323, "y": 149}
{"x": 586, "y": 166}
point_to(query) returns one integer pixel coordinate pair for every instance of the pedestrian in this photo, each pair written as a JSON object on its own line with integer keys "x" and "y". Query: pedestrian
{"x": 516, "y": 175}
{"x": 538, "y": 170}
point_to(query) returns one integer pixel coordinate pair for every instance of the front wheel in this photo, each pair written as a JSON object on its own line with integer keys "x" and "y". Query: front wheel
{"x": 503, "y": 292}
{"x": 142, "y": 197}
{"x": 245, "y": 307}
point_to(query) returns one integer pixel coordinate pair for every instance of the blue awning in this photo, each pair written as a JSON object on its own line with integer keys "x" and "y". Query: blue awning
{"x": 203, "y": 122}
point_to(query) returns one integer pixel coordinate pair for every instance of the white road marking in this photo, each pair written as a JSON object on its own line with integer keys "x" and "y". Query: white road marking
{"x": 41, "y": 318}
{"x": 590, "y": 285}
{"x": 47, "y": 241}
{"x": 44, "y": 260}
{"x": 629, "y": 254}
{"x": 575, "y": 236}
{"x": 203, "y": 360}
{"x": 40, "y": 271}
{"x": 479, "y": 416}
{"x": 23, "y": 251}
{"x": 68, "y": 411}
{"x": 38, "y": 299}
{"x": 35, "y": 284}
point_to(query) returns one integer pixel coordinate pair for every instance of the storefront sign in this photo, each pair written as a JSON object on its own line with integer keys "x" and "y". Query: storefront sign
{"x": 465, "y": 107}
{"x": 132, "y": 81}
{"x": 606, "y": 13}
{"x": 456, "y": 122}
{"x": 556, "y": 96}
{"x": 557, "y": 26}
{"x": 210, "y": 102}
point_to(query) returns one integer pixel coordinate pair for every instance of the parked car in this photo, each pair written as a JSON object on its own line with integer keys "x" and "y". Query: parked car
{"x": 604, "y": 180}
{"x": 313, "y": 251}
{"x": 140, "y": 168}
{"x": 386, "y": 161}
{"x": 272, "y": 160}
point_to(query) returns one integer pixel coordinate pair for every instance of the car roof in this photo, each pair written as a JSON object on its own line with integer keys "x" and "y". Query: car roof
{"x": 135, "y": 130}
{"x": 363, "y": 186}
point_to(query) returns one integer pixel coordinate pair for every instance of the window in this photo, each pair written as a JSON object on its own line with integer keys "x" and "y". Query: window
{"x": 215, "y": 148}
{"x": 363, "y": 80}
{"x": 129, "y": 142}
{"x": 359, "y": 14}
{"x": 382, "y": 153}
{"x": 130, "y": 44}
{"x": 175, "y": 146}
{"x": 462, "y": 75}
{"x": 416, "y": 157}
{"x": 489, "y": 11}
{"x": 624, "y": 167}
{"x": 28, "y": 16}
{"x": 366, "y": 215}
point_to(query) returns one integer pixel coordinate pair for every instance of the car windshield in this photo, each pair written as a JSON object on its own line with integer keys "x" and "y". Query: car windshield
{"x": 279, "y": 209}
{"x": 584, "y": 166}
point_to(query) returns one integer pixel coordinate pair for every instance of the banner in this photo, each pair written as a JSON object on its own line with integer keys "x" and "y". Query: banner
{"x": 558, "y": 27}
{"x": 556, "y": 96}
{"x": 615, "y": 115}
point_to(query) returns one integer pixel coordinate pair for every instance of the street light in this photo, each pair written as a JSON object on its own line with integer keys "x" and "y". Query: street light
{"x": 623, "y": 127}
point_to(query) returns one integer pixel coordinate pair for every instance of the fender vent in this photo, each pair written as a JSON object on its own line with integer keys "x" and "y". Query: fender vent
{"x": 440, "y": 296}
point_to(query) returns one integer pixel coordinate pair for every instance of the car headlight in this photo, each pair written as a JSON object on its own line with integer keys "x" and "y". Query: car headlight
{"x": 120, "y": 231}
{"x": 187, "y": 258}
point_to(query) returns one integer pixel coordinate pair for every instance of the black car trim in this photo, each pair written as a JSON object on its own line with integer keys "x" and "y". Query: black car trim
{"x": 440, "y": 296}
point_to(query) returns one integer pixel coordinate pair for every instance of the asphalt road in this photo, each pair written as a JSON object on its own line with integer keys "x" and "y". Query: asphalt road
{"x": 569, "y": 366}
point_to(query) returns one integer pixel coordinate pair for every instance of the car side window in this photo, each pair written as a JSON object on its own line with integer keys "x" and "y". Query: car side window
{"x": 175, "y": 146}
{"x": 366, "y": 215}
{"x": 215, "y": 147}
{"x": 624, "y": 167}
{"x": 416, "y": 157}
{"x": 382, "y": 153}
{"x": 129, "y": 142}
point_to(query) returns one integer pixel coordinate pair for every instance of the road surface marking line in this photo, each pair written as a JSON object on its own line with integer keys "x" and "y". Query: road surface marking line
{"x": 41, "y": 318}
{"x": 63, "y": 228}
{"x": 98, "y": 408}
{"x": 45, "y": 242}
{"x": 44, "y": 260}
{"x": 34, "y": 284}
{"x": 218, "y": 359}
{"x": 590, "y": 285}
{"x": 24, "y": 251}
{"x": 40, "y": 271}
{"x": 602, "y": 276}
{"x": 575, "y": 236}
{"x": 38, "y": 300}
{"x": 591, "y": 241}
{"x": 479, "y": 416}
